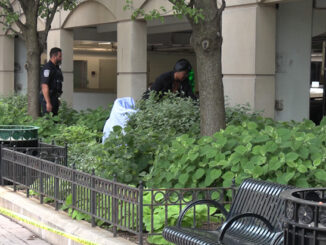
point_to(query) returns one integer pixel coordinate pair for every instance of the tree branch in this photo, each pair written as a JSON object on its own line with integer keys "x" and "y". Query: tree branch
{"x": 49, "y": 18}
{"x": 9, "y": 28}
{"x": 221, "y": 9}
{"x": 8, "y": 7}
{"x": 190, "y": 5}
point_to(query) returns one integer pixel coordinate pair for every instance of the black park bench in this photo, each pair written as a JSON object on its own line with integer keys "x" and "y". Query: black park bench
{"x": 254, "y": 218}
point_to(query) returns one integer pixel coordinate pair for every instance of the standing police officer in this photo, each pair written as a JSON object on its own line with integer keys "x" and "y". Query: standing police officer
{"x": 51, "y": 83}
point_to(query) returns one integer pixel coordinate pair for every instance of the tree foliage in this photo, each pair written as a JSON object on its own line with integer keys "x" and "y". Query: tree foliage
{"x": 16, "y": 16}
{"x": 21, "y": 18}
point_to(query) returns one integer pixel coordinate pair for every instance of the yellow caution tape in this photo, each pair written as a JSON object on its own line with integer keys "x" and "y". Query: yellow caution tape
{"x": 29, "y": 221}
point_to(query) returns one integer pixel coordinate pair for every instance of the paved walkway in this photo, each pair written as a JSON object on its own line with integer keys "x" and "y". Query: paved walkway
{"x": 12, "y": 233}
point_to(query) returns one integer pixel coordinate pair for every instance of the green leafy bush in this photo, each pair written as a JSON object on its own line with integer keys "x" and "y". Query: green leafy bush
{"x": 94, "y": 119}
{"x": 13, "y": 111}
{"x": 286, "y": 153}
{"x": 131, "y": 152}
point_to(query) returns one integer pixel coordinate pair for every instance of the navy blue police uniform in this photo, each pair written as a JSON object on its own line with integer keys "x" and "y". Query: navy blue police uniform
{"x": 52, "y": 76}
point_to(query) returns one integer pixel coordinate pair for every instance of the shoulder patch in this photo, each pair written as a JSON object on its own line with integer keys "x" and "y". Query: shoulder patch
{"x": 46, "y": 73}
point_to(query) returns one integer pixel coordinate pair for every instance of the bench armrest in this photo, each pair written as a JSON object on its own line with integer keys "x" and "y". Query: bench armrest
{"x": 199, "y": 202}
{"x": 228, "y": 223}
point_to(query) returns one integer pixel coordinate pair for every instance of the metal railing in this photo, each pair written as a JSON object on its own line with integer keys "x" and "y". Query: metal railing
{"x": 50, "y": 152}
{"x": 114, "y": 203}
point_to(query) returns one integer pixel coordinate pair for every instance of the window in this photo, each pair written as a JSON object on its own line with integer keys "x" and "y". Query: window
{"x": 80, "y": 74}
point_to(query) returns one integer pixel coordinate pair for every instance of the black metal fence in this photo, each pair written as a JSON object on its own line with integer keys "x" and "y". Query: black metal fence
{"x": 50, "y": 152}
{"x": 43, "y": 170}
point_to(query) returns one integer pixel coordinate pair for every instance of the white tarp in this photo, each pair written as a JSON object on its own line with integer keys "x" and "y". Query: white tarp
{"x": 122, "y": 108}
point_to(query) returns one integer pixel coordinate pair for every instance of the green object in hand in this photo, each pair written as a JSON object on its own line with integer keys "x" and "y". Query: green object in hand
{"x": 192, "y": 79}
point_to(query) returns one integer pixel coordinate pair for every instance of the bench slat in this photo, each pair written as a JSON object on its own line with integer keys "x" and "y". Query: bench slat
{"x": 254, "y": 196}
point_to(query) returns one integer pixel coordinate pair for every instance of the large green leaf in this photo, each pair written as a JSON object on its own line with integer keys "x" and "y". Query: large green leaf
{"x": 183, "y": 178}
{"x": 291, "y": 157}
{"x": 275, "y": 163}
{"x": 199, "y": 173}
{"x": 258, "y": 160}
{"x": 284, "y": 178}
{"x": 228, "y": 175}
{"x": 240, "y": 149}
{"x": 321, "y": 175}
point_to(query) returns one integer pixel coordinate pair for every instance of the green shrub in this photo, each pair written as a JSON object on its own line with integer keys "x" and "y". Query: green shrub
{"x": 13, "y": 111}
{"x": 75, "y": 134}
{"x": 131, "y": 152}
{"x": 169, "y": 115}
{"x": 94, "y": 119}
{"x": 235, "y": 115}
{"x": 286, "y": 153}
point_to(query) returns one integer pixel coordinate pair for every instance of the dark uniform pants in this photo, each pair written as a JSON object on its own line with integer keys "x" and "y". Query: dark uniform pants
{"x": 55, "y": 104}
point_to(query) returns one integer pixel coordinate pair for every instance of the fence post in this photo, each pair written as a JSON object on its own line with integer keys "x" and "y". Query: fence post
{"x": 56, "y": 185}
{"x": 233, "y": 189}
{"x": 115, "y": 208}
{"x": 1, "y": 171}
{"x": 14, "y": 169}
{"x": 41, "y": 183}
{"x": 141, "y": 190}
{"x": 27, "y": 176}
{"x": 66, "y": 154}
{"x": 93, "y": 198}
{"x": 73, "y": 186}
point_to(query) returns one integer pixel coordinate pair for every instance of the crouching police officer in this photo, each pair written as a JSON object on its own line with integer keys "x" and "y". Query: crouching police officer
{"x": 51, "y": 83}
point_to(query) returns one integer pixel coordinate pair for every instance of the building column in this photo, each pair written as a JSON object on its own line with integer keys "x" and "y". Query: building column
{"x": 294, "y": 37}
{"x": 248, "y": 56}
{"x": 132, "y": 59}
{"x": 7, "y": 59}
{"x": 64, "y": 39}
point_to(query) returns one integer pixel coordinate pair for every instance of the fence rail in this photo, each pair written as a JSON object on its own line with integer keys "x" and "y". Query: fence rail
{"x": 114, "y": 203}
{"x": 50, "y": 152}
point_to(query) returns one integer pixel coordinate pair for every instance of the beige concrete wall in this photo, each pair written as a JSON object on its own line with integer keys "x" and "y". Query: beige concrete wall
{"x": 248, "y": 55}
{"x": 7, "y": 48}
{"x": 239, "y": 89}
{"x": 113, "y": 11}
{"x": 132, "y": 59}
{"x": 294, "y": 32}
{"x": 89, "y": 13}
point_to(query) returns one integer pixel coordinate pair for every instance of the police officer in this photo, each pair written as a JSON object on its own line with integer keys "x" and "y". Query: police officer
{"x": 51, "y": 83}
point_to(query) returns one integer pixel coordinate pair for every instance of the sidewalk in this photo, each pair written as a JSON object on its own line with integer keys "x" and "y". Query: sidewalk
{"x": 59, "y": 220}
{"x": 12, "y": 233}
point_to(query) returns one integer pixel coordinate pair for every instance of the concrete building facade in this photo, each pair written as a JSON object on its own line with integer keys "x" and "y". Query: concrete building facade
{"x": 266, "y": 59}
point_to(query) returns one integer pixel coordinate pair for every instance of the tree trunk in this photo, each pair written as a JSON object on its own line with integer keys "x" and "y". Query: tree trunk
{"x": 207, "y": 42}
{"x": 33, "y": 75}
